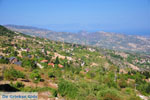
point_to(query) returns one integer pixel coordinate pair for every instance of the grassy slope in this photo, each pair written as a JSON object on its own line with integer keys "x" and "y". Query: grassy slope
{"x": 102, "y": 81}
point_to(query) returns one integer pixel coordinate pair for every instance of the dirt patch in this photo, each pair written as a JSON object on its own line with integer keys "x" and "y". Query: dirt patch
{"x": 133, "y": 67}
{"x": 61, "y": 56}
{"x": 19, "y": 68}
{"x": 123, "y": 71}
{"x": 44, "y": 96}
{"x": 94, "y": 64}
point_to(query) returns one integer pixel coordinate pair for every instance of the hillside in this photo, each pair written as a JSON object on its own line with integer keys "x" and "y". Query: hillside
{"x": 99, "y": 39}
{"x": 68, "y": 71}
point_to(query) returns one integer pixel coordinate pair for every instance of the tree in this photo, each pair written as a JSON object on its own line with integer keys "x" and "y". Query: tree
{"x": 57, "y": 60}
{"x": 15, "y": 53}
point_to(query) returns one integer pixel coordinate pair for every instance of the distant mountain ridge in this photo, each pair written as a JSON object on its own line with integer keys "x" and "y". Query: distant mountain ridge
{"x": 100, "y": 39}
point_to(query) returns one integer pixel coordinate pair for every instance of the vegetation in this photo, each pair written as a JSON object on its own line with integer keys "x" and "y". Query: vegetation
{"x": 72, "y": 71}
{"x": 12, "y": 74}
{"x": 68, "y": 89}
{"x": 35, "y": 76}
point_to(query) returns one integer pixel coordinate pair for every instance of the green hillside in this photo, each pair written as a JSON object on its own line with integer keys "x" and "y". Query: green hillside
{"x": 70, "y": 71}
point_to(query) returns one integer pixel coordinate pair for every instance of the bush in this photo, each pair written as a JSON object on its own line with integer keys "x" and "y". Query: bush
{"x": 66, "y": 88}
{"x": 91, "y": 97}
{"x": 35, "y": 76}
{"x": 54, "y": 93}
{"x": 109, "y": 80}
{"x": 90, "y": 74}
{"x": 37, "y": 89}
{"x": 18, "y": 85}
{"x": 144, "y": 88}
{"x": 111, "y": 97}
{"x": 148, "y": 88}
{"x": 112, "y": 84}
{"x": 122, "y": 83}
{"x": 55, "y": 72}
{"x": 12, "y": 74}
{"x": 29, "y": 63}
{"x": 51, "y": 74}
{"x": 129, "y": 91}
{"x": 4, "y": 60}
{"x": 109, "y": 94}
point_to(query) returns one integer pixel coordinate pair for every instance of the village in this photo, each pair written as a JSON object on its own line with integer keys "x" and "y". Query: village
{"x": 60, "y": 71}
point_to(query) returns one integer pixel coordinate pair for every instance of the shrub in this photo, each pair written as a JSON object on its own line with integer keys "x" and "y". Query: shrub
{"x": 4, "y": 60}
{"x": 112, "y": 84}
{"x": 90, "y": 74}
{"x": 54, "y": 93}
{"x": 148, "y": 88}
{"x": 66, "y": 88}
{"x": 129, "y": 91}
{"x": 19, "y": 85}
{"x": 12, "y": 74}
{"x": 55, "y": 72}
{"x": 51, "y": 74}
{"x": 109, "y": 80}
{"x": 122, "y": 83}
{"x": 109, "y": 94}
{"x": 144, "y": 88}
{"x": 35, "y": 76}
{"x": 29, "y": 63}
{"x": 91, "y": 97}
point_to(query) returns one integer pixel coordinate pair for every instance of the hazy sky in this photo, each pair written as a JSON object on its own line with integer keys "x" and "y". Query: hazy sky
{"x": 125, "y": 16}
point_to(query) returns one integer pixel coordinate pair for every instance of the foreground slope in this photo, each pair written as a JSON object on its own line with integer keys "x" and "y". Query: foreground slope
{"x": 69, "y": 71}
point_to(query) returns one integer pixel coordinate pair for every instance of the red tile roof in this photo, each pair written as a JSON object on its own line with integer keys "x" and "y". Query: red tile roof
{"x": 60, "y": 66}
{"x": 51, "y": 64}
{"x": 44, "y": 61}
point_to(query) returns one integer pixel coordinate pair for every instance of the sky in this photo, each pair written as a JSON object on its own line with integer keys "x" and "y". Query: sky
{"x": 122, "y": 16}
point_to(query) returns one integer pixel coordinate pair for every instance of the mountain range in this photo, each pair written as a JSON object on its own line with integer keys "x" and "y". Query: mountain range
{"x": 108, "y": 40}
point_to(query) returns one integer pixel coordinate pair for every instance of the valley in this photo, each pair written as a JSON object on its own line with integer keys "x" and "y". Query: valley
{"x": 101, "y": 39}
{"x": 62, "y": 68}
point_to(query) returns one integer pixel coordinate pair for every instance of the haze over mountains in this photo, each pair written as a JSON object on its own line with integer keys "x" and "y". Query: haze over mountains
{"x": 103, "y": 39}
{"x": 74, "y": 27}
